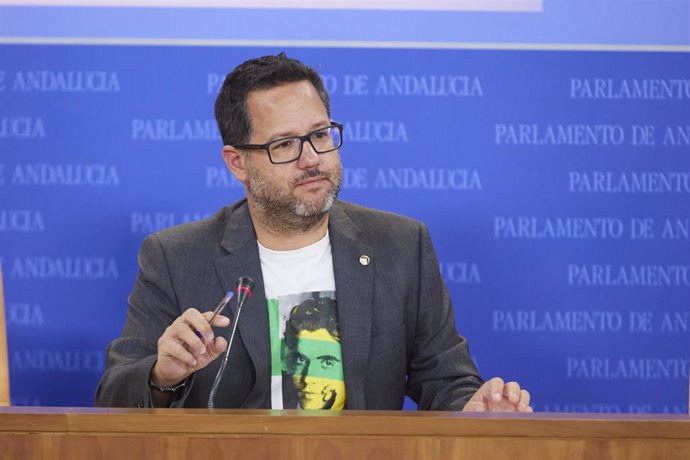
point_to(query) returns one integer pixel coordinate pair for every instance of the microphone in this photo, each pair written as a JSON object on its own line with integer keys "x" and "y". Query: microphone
{"x": 243, "y": 291}
{"x": 245, "y": 286}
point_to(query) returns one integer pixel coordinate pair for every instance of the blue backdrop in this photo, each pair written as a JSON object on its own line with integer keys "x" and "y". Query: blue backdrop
{"x": 555, "y": 186}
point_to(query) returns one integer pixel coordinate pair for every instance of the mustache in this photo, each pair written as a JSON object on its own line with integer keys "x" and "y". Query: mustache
{"x": 311, "y": 174}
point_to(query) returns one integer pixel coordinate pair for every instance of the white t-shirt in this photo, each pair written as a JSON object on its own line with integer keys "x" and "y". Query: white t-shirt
{"x": 306, "y": 358}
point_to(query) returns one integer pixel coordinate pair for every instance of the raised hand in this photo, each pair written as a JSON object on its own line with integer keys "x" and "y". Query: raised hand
{"x": 186, "y": 346}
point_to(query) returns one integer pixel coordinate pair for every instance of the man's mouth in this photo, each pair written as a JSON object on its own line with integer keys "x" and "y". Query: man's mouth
{"x": 311, "y": 181}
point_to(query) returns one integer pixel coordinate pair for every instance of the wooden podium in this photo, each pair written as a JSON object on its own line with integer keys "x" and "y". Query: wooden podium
{"x": 132, "y": 434}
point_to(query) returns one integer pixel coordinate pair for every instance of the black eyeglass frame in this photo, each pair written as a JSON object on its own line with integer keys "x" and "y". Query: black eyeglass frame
{"x": 303, "y": 139}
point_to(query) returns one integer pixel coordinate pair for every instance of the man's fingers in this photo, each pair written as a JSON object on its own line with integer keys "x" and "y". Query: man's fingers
{"x": 185, "y": 335}
{"x": 511, "y": 390}
{"x": 198, "y": 322}
{"x": 523, "y": 404}
{"x": 495, "y": 387}
{"x": 188, "y": 344}
{"x": 217, "y": 347}
{"x": 475, "y": 406}
{"x": 495, "y": 395}
{"x": 172, "y": 349}
{"x": 218, "y": 321}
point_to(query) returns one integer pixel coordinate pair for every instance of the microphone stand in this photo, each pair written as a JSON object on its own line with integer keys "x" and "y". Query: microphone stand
{"x": 244, "y": 284}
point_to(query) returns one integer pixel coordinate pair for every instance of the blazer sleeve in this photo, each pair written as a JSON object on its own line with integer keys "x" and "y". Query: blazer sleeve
{"x": 441, "y": 372}
{"x": 153, "y": 306}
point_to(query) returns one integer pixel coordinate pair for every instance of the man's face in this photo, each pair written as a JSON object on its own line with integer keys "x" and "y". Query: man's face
{"x": 303, "y": 188}
{"x": 318, "y": 373}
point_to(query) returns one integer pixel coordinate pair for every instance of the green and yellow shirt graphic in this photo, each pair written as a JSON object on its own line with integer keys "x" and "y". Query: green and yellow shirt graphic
{"x": 306, "y": 357}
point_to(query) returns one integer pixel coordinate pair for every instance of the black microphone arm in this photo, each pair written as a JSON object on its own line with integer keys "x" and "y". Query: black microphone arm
{"x": 243, "y": 291}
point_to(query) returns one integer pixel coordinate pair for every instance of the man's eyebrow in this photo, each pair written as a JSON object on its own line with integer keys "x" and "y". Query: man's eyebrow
{"x": 313, "y": 127}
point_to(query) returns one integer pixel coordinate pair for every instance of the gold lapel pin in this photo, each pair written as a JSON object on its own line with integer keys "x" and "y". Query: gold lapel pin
{"x": 364, "y": 259}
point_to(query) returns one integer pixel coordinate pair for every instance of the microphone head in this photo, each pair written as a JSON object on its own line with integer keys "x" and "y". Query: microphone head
{"x": 246, "y": 282}
{"x": 245, "y": 286}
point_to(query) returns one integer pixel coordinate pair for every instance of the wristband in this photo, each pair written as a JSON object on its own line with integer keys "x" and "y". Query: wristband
{"x": 153, "y": 384}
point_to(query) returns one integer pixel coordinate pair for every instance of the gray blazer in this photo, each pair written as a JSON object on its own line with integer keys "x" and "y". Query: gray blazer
{"x": 396, "y": 320}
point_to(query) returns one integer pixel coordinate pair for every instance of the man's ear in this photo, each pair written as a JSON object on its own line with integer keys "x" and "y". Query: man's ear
{"x": 236, "y": 162}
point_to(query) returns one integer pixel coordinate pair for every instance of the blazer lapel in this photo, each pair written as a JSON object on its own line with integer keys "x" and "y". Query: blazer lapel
{"x": 353, "y": 257}
{"x": 242, "y": 259}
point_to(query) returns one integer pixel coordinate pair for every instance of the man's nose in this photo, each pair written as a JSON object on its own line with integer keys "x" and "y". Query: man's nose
{"x": 309, "y": 158}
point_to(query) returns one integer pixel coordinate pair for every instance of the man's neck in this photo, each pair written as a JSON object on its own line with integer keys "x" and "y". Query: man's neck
{"x": 278, "y": 237}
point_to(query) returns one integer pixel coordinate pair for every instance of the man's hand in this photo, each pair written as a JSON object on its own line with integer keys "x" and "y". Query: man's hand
{"x": 497, "y": 396}
{"x": 186, "y": 346}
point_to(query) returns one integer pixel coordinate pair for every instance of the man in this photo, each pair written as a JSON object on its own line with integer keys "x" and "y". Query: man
{"x": 312, "y": 357}
{"x": 395, "y": 320}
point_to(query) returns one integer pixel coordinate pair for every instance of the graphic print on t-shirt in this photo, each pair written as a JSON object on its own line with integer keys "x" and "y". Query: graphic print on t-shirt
{"x": 306, "y": 358}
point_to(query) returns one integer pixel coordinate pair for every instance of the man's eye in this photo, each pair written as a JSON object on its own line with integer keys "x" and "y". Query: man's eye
{"x": 328, "y": 362}
{"x": 285, "y": 144}
{"x": 320, "y": 134}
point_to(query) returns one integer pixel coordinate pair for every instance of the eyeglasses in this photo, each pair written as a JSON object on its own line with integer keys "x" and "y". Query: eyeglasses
{"x": 289, "y": 149}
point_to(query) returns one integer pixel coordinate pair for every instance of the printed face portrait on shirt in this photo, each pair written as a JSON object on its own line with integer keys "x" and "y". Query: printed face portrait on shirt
{"x": 312, "y": 355}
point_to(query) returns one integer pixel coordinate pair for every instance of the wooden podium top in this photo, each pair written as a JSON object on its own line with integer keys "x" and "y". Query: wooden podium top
{"x": 34, "y": 432}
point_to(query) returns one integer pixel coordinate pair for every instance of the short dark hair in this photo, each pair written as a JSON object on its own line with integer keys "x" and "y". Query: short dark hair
{"x": 232, "y": 114}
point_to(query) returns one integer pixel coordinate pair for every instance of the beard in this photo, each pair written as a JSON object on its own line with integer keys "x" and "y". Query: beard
{"x": 281, "y": 210}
